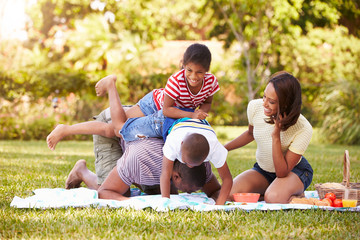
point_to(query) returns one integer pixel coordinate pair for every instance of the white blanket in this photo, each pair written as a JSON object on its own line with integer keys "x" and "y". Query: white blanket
{"x": 83, "y": 197}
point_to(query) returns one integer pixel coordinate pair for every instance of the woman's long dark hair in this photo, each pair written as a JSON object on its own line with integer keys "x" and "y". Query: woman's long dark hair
{"x": 288, "y": 91}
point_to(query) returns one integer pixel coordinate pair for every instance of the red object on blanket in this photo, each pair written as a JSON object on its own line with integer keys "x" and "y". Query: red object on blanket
{"x": 246, "y": 197}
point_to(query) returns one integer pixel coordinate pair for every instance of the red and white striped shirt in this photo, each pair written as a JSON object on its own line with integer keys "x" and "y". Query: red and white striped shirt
{"x": 177, "y": 88}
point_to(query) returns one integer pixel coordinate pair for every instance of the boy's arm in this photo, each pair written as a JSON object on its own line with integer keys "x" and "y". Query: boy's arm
{"x": 166, "y": 170}
{"x": 227, "y": 182}
{"x": 170, "y": 111}
{"x": 206, "y": 106}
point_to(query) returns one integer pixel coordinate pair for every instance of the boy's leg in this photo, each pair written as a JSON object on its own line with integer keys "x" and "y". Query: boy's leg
{"x": 91, "y": 127}
{"x": 118, "y": 115}
{"x": 134, "y": 112}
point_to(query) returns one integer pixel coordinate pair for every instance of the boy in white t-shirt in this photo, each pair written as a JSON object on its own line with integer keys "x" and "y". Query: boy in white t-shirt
{"x": 192, "y": 142}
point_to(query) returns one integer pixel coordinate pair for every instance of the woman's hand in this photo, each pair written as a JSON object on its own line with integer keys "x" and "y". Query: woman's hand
{"x": 277, "y": 125}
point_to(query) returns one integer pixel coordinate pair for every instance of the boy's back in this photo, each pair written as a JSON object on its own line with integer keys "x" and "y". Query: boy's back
{"x": 172, "y": 148}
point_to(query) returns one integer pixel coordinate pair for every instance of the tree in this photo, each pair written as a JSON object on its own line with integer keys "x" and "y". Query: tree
{"x": 260, "y": 28}
{"x": 256, "y": 27}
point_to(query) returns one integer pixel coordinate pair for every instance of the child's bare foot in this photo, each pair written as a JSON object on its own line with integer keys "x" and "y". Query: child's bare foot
{"x": 74, "y": 179}
{"x": 55, "y": 136}
{"x": 103, "y": 85}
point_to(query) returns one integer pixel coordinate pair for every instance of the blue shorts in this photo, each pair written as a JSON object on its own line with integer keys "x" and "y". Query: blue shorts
{"x": 303, "y": 170}
{"x": 144, "y": 127}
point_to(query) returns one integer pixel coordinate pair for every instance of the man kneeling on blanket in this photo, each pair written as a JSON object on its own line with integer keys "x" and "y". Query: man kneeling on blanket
{"x": 140, "y": 165}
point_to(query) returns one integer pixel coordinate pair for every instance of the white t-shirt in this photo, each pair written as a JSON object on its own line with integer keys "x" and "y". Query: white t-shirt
{"x": 296, "y": 138}
{"x": 172, "y": 148}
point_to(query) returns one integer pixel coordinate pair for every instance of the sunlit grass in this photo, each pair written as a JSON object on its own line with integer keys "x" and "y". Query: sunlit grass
{"x": 25, "y": 166}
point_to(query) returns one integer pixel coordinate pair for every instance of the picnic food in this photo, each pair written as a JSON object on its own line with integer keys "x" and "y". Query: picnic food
{"x": 338, "y": 203}
{"x": 341, "y": 190}
{"x": 333, "y": 185}
{"x": 349, "y": 202}
{"x": 330, "y": 195}
{"x": 310, "y": 201}
{"x": 335, "y": 202}
{"x": 329, "y": 201}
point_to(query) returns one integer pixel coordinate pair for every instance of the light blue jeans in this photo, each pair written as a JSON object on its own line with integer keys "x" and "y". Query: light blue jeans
{"x": 144, "y": 127}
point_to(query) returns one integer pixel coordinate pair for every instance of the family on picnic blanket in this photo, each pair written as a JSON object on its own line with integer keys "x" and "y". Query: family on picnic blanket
{"x": 164, "y": 144}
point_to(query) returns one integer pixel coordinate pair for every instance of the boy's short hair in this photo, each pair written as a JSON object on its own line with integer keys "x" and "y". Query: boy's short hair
{"x": 195, "y": 148}
{"x": 199, "y": 54}
{"x": 195, "y": 176}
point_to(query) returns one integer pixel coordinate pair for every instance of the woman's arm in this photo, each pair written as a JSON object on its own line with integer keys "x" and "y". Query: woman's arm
{"x": 283, "y": 164}
{"x": 241, "y": 140}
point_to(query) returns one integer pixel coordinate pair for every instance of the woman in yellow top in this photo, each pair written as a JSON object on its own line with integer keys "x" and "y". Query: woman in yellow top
{"x": 282, "y": 135}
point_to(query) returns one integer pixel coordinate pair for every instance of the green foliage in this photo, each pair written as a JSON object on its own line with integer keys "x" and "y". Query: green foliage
{"x": 319, "y": 58}
{"x": 72, "y": 44}
{"x": 340, "y": 107}
{"x": 322, "y": 56}
{"x": 227, "y": 108}
{"x": 256, "y": 28}
{"x": 27, "y": 119}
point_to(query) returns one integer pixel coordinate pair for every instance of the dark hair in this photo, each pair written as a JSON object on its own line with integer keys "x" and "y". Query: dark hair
{"x": 288, "y": 91}
{"x": 196, "y": 148}
{"x": 199, "y": 54}
{"x": 195, "y": 176}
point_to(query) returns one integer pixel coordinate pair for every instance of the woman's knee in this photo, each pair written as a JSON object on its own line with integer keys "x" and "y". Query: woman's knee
{"x": 276, "y": 197}
{"x": 248, "y": 181}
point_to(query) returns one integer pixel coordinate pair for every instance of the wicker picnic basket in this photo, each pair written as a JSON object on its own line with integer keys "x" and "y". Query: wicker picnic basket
{"x": 343, "y": 188}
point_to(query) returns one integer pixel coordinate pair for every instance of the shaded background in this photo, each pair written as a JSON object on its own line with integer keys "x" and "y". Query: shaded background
{"x": 52, "y": 53}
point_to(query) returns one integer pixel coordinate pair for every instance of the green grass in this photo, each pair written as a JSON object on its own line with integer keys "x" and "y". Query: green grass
{"x": 25, "y": 166}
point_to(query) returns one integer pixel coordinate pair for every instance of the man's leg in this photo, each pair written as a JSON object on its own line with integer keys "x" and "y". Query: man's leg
{"x": 80, "y": 173}
{"x": 107, "y": 150}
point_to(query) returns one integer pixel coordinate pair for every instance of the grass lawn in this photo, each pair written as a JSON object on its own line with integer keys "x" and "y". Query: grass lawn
{"x": 25, "y": 166}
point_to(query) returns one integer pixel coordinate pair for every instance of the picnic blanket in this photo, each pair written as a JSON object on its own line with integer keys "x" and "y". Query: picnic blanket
{"x": 82, "y": 197}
